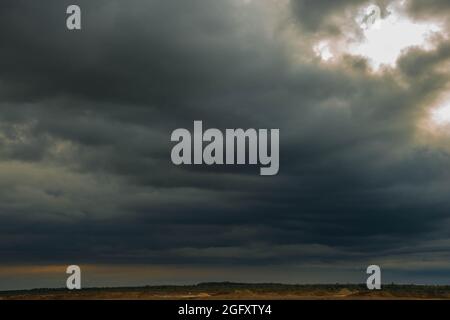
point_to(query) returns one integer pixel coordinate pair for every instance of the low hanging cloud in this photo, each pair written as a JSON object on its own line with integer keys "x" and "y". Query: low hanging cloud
{"x": 86, "y": 119}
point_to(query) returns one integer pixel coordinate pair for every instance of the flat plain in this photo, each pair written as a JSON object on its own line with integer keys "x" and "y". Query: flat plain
{"x": 238, "y": 291}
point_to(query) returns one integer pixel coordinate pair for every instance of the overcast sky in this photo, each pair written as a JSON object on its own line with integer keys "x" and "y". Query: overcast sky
{"x": 86, "y": 118}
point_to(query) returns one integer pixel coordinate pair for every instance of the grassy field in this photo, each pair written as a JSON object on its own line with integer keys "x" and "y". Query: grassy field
{"x": 238, "y": 291}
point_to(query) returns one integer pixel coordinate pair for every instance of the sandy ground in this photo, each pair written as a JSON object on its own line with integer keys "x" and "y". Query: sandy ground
{"x": 226, "y": 293}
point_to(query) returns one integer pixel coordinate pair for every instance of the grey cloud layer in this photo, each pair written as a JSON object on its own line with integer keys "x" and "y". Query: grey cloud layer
{"x": 85, "y": 129}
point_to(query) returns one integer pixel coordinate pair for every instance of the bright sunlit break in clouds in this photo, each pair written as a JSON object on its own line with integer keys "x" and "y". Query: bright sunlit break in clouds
{"x": 440, "y": 115}
{"x": 385, "y": 40}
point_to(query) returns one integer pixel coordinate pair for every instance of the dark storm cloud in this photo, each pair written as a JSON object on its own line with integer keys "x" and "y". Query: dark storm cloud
{"x": 429, "y": 8}
{"x": 313, "y": 15}
{"x": 330, "y": 16}
{"x": 423, "y": 65}
{"x": 85, "y": 129}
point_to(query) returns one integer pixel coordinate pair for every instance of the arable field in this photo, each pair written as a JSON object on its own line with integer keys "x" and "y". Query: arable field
{"x": 236, "y": 291}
